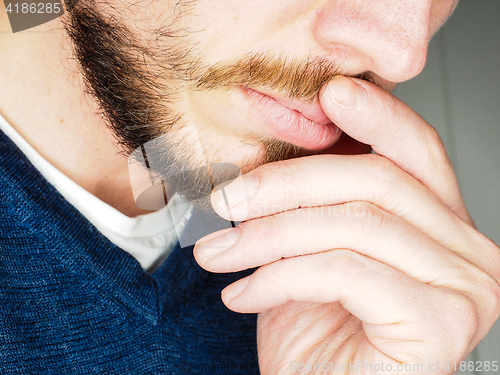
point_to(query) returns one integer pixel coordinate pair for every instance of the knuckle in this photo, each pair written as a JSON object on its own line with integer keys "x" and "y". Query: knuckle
{"x": 345, "y": 262}
{"x": 367, "y": 218}
{"x": 435, "y": 142}
{"x": 268, "y": 233}
{"x": 434, "y": 149}
{"x": 281, "y": 174}
{"x": 473, "y": 310}
{"x": 269, "y": 274}
{"x": 278, "y": 184}
{"x": 391, "y": 109}
{"x": 491, "y": 299}
{"x": 490, "y": 252}
{"x": 463, "y": 321}
{"x": 482, "y": 290}
{"x": 383, "y": 173}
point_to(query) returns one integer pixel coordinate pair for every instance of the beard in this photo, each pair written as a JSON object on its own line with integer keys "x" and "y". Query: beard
{"x": 136, "y": 83}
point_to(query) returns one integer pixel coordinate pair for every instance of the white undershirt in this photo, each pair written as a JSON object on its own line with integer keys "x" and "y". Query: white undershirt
{"x": 148, "y": 238}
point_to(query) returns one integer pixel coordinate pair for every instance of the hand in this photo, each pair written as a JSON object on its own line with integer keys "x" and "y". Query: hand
{"x": 369, "y": 258}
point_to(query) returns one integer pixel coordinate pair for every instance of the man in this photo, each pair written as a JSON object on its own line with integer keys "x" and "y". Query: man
{"x": 363, "y": 259}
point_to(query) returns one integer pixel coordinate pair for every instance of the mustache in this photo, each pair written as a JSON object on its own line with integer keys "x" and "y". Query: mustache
{"x": 293, "y": 77}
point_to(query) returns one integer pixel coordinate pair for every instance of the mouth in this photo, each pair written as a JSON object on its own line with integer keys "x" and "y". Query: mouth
{"x": 296, "y": 122}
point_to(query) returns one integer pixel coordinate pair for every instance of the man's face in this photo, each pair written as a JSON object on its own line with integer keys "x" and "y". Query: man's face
{"x": 244, "y": 74}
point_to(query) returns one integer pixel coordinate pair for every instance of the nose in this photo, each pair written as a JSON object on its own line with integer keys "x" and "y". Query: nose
{"x": 386, "y": 37}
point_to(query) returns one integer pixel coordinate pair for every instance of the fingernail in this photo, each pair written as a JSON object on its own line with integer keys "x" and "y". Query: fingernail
{"x": 209, "y": 247}
{"x": 228, "y": 196}
{"x": 234, "y": 290}
{"x": 347, "y": 93}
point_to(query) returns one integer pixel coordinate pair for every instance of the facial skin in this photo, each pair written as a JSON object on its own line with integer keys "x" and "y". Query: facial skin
{"x": 158, "y": 68}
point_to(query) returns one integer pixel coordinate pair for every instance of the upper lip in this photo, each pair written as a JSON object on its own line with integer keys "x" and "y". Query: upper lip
{"x": 311, "y": 111}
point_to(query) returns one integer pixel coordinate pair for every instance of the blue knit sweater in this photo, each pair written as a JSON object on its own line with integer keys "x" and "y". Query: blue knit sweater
{"x": 71, "y": 302}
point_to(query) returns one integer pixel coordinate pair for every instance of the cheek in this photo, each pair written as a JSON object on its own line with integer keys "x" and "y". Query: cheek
{"x": 228, "y": 28}
{"x": 440, "y": 11}
{"x": 143, "y": 21}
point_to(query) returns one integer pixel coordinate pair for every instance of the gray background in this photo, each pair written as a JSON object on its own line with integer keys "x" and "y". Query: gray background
{"x": 459, "y": 94}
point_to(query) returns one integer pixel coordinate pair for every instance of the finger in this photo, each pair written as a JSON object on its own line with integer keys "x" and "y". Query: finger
{"x": 373, "y": 116}
{"x": 325, "y": 180}
{"x": 391, "y": 305}
{"x": 339, "y": 275}
{"x": 358, "y": 226}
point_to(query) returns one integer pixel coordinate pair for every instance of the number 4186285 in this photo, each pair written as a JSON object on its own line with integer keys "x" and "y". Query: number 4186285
{"x": 34, "y": 8}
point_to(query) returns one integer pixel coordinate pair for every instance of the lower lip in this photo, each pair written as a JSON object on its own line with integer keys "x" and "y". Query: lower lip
{"x": 290, "y": 125}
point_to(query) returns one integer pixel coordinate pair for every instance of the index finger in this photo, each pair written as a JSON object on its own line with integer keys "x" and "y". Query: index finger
{"x": 373, "y": 116}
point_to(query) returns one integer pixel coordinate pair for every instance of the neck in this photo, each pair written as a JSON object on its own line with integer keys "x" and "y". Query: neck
{"x": 43, "y": 98}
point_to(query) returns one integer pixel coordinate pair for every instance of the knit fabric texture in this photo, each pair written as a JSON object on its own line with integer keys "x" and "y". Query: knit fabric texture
{"x": 71, "y": 302}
